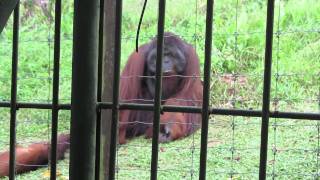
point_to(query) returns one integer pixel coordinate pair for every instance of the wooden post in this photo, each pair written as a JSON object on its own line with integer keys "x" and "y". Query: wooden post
{"x": 107, "y": 84}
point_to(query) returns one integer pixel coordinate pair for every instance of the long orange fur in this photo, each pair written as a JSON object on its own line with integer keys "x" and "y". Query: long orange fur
{"x": 29, "y": 158}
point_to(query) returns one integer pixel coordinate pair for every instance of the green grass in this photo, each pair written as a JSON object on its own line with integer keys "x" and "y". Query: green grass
{"x": 238, "y": 48}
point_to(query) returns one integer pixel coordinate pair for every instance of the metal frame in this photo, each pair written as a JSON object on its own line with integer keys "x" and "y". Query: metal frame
{"x": 86, "y": 102}
{"x": 266, "y": 91}
{"x": 13, "y": 104}
{"x": 206, "y": 91}
{"x": 170, "y": 108}
{"x": 84, "y": 89}
{"x": 158, "y": 87}
{"x": 55, "y": 91}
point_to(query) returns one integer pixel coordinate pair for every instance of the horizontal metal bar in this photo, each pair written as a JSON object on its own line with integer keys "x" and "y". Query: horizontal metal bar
{"x": 104, "y": 105}
{"x": 273, "y": 114}
{"x": 36, "y": 105}
{"x": 185, "y": 109}
{"x": 235, "y": 112}
{"x": 133, "y": 106}
{"x": 295, "y": 115}
{"x": 150, "y": 107}
{"x": 215, "y": 111}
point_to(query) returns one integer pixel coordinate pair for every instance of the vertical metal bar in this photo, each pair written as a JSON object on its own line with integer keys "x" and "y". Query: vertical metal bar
{"x": 55, "y": 91}
{"x": 99, "y": 92}
{"x": 116, "y": 81}
{"x": 206, "y": 91}
{"x": 157, "y": 98}
{"x": 266, "y": 91}
{"x": 13, "y": 104}
{"x": 84, "y": 89}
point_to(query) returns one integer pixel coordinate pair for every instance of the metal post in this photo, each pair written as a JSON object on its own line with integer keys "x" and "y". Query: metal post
{"x": 13, "y": 104}
{"x": 206, "y": 91}
{"x": 157, "y": 98}
{"x": 84, "y": 89}
{"x": 266, "y": 91}
{"x": 55, "y": 92}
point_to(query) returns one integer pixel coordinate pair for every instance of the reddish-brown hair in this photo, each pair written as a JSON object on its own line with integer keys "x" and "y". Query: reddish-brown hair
{"x": 133, "y": 89}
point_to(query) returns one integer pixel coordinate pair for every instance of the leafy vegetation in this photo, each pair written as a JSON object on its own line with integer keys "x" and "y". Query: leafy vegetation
{"x": 237, "y": 82}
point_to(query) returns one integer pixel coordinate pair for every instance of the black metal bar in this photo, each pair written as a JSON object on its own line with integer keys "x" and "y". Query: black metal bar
{"x": 36, "y": 105}
{"x": 116, "y": 83}
{"x": 206, "y": 91}
{"x": 215, "y": 111}
{"x": 158, "y": 89}
{"x": 64, "y": 106}
{"x": 185, "y": 109}
{"x": 28, "y": 105}
{"x": 170, "y": 108}
{"x": 55, "y": 91}
{"x": 84, "y": 89}
{"x": 13, "y": 103}
{"x": 266, "y": 91}
{"x": 99, "y": 92}
{"x": 146, "y": 107}
{"x": 295, "y": 115}
{"x": 104, "y": 105}
{"x": 235, "y": 112}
